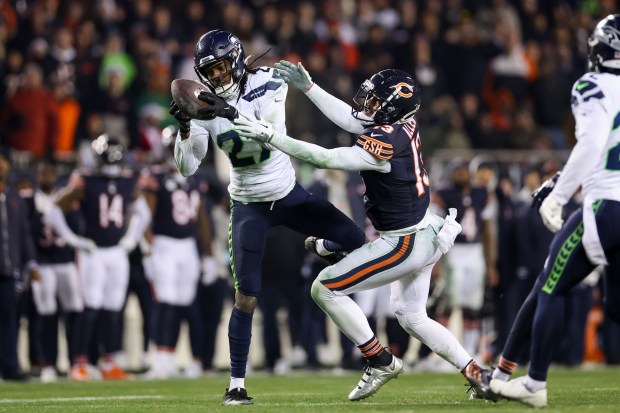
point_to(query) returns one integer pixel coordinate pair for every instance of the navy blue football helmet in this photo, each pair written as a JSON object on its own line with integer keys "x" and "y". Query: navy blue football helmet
{"x": 604, "y": 45}
{"x": 216, "y": 46}
{"x": 108, "y": 149}
{"x": 389, "y": 96}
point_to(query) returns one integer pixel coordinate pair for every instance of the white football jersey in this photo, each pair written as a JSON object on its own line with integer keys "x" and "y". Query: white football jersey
{"x": 595, "y": 161}
{"x": 258, "y": 172}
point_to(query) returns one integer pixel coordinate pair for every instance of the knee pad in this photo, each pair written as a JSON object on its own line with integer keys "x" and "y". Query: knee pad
{"x": 320, "y": 293}
{"x": 411, "y": 320}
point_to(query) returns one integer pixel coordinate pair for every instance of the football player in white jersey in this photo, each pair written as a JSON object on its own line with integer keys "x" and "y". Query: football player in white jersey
{"x": 262, "y": 187}
{"x": 589, "y": 237}
{"x": 388, "y": 156}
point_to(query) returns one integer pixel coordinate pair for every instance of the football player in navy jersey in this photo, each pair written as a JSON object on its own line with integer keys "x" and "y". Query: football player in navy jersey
{"x": 263, "y": 188}
{"x": 387, "y": 152}
{"x": 115, "y": 216}
{"x": 179, "y": 220}
{"x": 473, "y": 254}
{"x": 54, "y": 243}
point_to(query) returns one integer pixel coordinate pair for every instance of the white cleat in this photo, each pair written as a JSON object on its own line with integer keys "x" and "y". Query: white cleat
{"x": 48, "y": 375}
{"x": 375, "y": 377}
{"x": 516, "y": 390}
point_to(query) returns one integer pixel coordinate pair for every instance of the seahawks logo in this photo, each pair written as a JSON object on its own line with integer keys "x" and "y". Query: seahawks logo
{"x": 609, "y": 36}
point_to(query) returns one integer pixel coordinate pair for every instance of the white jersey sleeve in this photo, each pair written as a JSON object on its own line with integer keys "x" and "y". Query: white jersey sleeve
{"x": 335, "y": 109}
{"x": 594, "y": 163}
{"x": 189, "y": 153}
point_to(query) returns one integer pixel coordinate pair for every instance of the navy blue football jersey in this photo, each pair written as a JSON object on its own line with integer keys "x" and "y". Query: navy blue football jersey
{"x": 400, "y": 198}
{"x": 50, "y": 247}
{"x": 104, "y": 207}
{"x": 176, "y": 212}
{"x": 469, "y": 208}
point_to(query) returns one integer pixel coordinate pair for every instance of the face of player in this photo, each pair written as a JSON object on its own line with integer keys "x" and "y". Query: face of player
{"x": 46, "y": 177}
{"x": 219, "y": 73}
{"x": 372, "y": 105}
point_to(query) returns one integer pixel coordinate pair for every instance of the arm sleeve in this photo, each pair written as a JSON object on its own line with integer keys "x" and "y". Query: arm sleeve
{"x": 335, "y": 109}
{"x": 351, "y": 158}
{"x": 188, "y": 153}
{"x": 56, "y": 219}
{"x": 140, "y": 219}
{"x": 591, "y": 130}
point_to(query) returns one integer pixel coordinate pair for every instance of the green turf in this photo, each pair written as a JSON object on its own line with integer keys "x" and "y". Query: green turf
{"x": 569, "y": 391}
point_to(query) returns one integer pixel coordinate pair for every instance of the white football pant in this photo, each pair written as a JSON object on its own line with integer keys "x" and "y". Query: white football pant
{"x": 105, "y": 277}
{"x": 58, "y": 280}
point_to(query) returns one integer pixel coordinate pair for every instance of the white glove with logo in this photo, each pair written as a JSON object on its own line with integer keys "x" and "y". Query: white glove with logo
{"x": 256, "y": 129}
{"x": 209, "y": 270}
{"x": 551, "y": 214}
{"x": 449, "y": 231}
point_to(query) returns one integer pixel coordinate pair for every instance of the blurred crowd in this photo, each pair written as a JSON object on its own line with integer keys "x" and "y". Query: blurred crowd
{"x": 494, "y": 74}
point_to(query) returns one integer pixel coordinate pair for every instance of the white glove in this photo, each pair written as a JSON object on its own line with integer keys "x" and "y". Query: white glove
{"x": 149, "y": 267}
{"x": 128, "y": 244}
{"x": 83, "y": 244}
{"x": 449, "y": 231}
{"x": 551, "y": 214}
{"x": 209, "y": 270}
{"x": 256, "y": 129}
{"x": 297, "y": 76}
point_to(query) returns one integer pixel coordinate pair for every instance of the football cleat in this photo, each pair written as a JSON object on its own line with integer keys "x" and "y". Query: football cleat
{"x": 517, "y": 390}
{"x": 374, "y": 377}
{"x": 49, "y": 375}
{"x": 479, "y": 380}
{"x": 330, "y": 257}
{"x": 236, "y": 397}
{"x": 114, "y": 373}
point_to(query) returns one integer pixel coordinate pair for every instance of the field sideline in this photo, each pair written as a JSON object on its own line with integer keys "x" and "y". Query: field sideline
{"x": 569, "y": 391}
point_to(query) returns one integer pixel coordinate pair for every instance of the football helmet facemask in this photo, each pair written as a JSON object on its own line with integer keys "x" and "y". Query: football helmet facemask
{"x": 604, "y": 46}
{"x": 390, "y": 96}
{"x": 212, "y": 48}
{"x": 110, "y": 153}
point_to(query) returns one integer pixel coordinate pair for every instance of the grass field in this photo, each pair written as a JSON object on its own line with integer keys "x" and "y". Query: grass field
{"x": 569, "y": 391}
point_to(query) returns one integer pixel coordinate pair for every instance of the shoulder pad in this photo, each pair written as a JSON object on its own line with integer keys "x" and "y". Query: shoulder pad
{"x": 376, "y": 140}
{"x": 265, "y": 80}
{"x": 585, "y": 89}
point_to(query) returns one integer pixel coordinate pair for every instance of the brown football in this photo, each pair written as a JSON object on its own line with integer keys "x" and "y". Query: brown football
{"x": 185, "y": 93}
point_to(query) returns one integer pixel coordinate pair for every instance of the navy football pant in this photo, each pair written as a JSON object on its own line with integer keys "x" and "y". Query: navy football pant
{"x": 566, "y": 266}
{"x": 300, "y": 211}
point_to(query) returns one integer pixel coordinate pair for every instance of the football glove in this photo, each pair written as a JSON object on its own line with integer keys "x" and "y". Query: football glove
{"x": 209, "y": 270}
{"x": 551, "y": 214}
{"x": 217, "y": 107}
{"x": 256, "y": 129}
{"x": 449, "y": 231}
{"x": 181, "y": 118}
{"x": 297, "y": 76}
{"x": 539, "y": 195}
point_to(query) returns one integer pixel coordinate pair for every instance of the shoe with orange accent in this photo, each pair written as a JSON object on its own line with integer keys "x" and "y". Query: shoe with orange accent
{"x": 114, "y": 373}
{"x": 80, "y": 373}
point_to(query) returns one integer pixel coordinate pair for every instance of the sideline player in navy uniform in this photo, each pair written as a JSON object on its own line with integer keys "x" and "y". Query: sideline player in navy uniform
{"x": 473, "y": 254}
{"x": 589, "y": 237}
{"x": 55, "y": 245}
{"x": 179, "y": 220}
{"x": 388, "y": 155}
{"x": 108, "y": 198}
{"x": 263, "y": 189}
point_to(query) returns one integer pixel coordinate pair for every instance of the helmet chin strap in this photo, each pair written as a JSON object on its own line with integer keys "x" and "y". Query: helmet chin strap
{"x": 228, "y": 91}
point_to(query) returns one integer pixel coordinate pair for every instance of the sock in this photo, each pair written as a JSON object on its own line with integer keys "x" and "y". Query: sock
{"x": 548, "y": 324}
{"x": 505, "y": 366}
{"x": 239, "y": 337}
{"x": 111, "y": 325}
{"x": 237, "y": 382}
{"x": 169, "y": 325}
{"x": 375, "y": 353}
{"x": 47, "y": 337}
{"x": 500, "y": 375}
{"x": 88, "y": 322}
{"x": 72, "y": 320}
{"x": 534, "y": 385}
{"x": 326, "y": 247}
{"x": 518, "y": 339}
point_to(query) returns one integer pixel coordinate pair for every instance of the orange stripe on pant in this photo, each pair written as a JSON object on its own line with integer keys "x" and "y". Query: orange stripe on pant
{"x": 377, "y": 266}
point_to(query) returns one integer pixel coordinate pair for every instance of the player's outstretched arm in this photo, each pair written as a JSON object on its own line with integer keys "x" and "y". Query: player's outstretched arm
{"x": 335, "y": 109}
{"x": 346, "y": 158}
